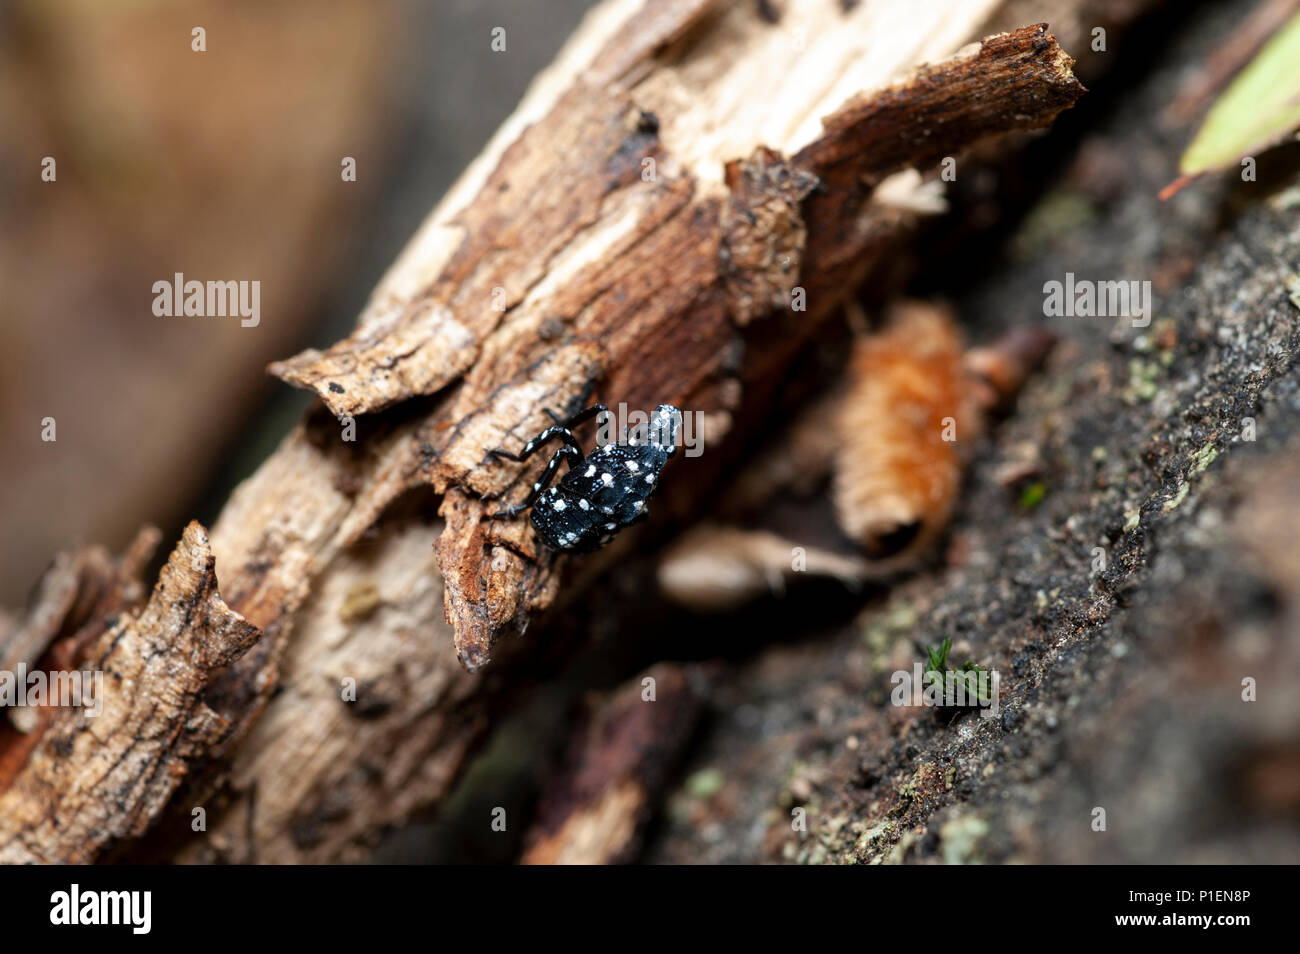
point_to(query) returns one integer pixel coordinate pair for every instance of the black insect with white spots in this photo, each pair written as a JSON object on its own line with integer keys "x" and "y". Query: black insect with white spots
{"x": 603, "y": 491}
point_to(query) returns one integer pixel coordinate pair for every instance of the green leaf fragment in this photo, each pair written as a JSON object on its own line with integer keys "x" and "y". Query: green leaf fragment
{"x": 1258, "y": 109}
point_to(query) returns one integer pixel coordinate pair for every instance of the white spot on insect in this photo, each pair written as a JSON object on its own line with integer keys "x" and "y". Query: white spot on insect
{"x": 559, "y": 504}
{"x": 535, "y": 486}
{"x": 606, "y": 509}
{"x": 609, "y": 526}
{"x": 649, "y": 478}
{"x": 583, "y": 504}
{"x": 591, "y": 471}
{"x": 607, "y": 478}
{"x": 637, "y": 506}
{"x": 633, "y": 466}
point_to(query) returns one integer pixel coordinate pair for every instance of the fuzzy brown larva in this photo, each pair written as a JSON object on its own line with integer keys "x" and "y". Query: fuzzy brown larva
{"x": 904, "y": 420}
{"x": 915, "y": 401}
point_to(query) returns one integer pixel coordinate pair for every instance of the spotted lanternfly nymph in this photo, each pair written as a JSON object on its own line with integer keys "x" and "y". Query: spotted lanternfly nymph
{"x": 603, "y": 491}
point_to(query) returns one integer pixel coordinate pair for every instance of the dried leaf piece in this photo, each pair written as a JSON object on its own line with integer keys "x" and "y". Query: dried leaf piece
{"x": 716, "y": 569}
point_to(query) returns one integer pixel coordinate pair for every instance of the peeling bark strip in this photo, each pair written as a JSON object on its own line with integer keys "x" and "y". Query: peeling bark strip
{"x": 548, "y": 188}
{"x": 595, "y": 810}
{"x": 92, "y": 780}
{"x": 1015, "y": 81}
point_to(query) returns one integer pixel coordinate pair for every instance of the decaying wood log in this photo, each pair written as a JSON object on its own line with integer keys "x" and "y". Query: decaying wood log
{"x": 626, "y": 236}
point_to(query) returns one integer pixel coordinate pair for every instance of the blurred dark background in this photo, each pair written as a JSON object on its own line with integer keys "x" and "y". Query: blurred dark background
{"x": 223, "y": 165}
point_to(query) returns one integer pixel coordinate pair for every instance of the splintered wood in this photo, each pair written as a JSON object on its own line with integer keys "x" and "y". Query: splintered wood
{"x": 96, "y": 777}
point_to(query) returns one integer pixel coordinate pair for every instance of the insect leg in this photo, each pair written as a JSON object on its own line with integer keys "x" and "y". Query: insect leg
{"x": 556, "y": 430}
{"x": 561, "y": 429}
{"x": 583, "y": 416}
{"x": 544, "y": 481}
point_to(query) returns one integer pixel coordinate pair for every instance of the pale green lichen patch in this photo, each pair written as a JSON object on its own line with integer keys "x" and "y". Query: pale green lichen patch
{"x": 1204, "y": 458}
{"x": 884, "y": 631}
{"x": 1061, "y": 213}
{"x": 705, "y": 783}
{"x": 960, "y": 839}
{"x": 874, "y": 835}
{"x": 1293, "y": 289}
{"x": 1200, "y": 461}
{"x": 897, "y": 620}
{"x": 1142, "y": 381}
{"x": 898, "y": 853}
